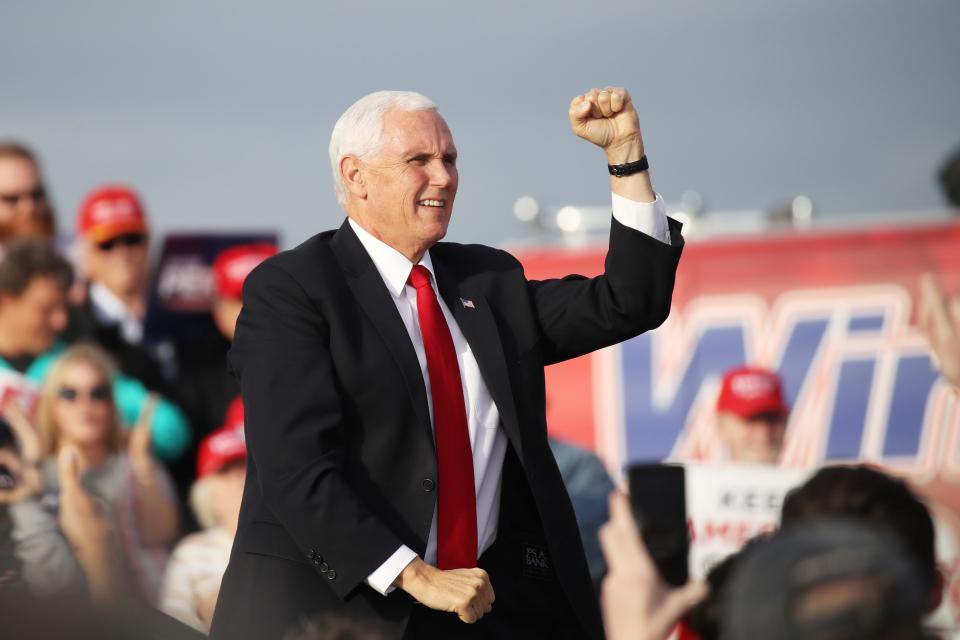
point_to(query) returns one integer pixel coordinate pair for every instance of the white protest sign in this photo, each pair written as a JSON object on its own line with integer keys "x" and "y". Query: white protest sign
{"x": 729, "y": 504}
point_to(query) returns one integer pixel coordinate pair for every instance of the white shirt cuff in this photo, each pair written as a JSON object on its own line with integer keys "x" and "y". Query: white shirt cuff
{"x": 646, "y": 217}
{"x": 382, "y": 579}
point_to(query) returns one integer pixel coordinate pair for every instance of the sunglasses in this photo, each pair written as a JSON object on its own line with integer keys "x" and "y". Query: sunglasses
{"x": 34, "y": 194}
{"x": 100, "y": 393}
{"x": 127, "y": 240}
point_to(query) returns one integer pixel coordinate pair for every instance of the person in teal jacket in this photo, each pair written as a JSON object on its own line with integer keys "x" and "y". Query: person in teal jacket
{"x": 34, "y": 281}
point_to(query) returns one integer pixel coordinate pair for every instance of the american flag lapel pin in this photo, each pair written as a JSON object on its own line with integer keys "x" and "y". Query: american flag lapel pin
{"x": 467, "y": 304}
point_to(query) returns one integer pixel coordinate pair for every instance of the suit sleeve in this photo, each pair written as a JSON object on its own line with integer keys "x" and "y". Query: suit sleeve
{"x": 295, "y": 430}
{"x": 578, "y": 315}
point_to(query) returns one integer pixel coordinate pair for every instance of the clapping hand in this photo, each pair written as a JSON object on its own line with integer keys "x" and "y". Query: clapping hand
{"x": 157, "y": 516}
{"x": 23, "y": 464}
{"x": 139, "y": 446}
{"x": 86, "y": 524}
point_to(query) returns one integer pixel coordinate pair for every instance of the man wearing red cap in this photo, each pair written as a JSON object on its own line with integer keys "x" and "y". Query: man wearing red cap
{"x": 114, "y": 233}
{"x": 752, "y": 415}
{"x": 196, "y": 567}
{"x": 206, "y": 387}
{"x": 113, "y": 228}
{"x": 230, "y": 269}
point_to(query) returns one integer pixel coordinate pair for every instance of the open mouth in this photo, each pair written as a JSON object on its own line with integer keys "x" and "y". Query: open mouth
{"x": 438, "y": 204}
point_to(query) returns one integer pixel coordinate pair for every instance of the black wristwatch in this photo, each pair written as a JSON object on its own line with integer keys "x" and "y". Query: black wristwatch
{"x": 628, "y": 169}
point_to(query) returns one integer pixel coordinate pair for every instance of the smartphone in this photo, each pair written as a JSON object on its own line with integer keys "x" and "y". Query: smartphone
{"x": 659, "y": 501}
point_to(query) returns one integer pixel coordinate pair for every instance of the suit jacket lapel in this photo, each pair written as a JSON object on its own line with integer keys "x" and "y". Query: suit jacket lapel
{"x": 374, "y": 298}
{"x": 480, "y": 329}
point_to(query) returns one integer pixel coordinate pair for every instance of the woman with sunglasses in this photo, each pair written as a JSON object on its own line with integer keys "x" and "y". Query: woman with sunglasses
{"x": 77, "y": 408}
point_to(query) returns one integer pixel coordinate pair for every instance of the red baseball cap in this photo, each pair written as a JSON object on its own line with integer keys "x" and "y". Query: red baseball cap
{"x": 751, "y": 391}
{"x": 233, "y": 265}
{"x": 225, "y": 445}
{"x": 109, "y": 212}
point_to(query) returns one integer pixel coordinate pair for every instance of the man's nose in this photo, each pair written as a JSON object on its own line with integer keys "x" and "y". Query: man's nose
{"x": 440, "y": 174}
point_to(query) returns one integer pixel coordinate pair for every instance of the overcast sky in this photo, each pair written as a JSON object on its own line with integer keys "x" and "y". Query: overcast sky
{"x": 219, "y": 111}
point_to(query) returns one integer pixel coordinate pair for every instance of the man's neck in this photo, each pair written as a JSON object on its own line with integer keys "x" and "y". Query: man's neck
{"x": 413, "y": 254}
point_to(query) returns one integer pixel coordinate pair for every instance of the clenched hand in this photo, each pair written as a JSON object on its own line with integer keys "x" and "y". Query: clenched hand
{"x": 466, "y": 592}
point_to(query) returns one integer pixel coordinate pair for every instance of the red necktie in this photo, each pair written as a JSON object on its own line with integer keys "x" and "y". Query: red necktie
{"x": 457, "y": 500}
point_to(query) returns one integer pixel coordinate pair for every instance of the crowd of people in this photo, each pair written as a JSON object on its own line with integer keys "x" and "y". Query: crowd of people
{"x": 104, "y": 440}
{"x": 854, "y": 556}
{"x": 105, "y": 437}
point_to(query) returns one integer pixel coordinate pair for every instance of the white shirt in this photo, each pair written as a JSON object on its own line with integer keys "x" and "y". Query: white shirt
{"x": 108, "y": 309}
{"x": 487, "y": 439}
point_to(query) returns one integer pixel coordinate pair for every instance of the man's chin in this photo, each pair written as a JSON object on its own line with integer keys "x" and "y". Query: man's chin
{"x": 435, "y": 232}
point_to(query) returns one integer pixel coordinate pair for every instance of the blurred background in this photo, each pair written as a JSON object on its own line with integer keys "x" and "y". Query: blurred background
{"x": 220, "y": 112}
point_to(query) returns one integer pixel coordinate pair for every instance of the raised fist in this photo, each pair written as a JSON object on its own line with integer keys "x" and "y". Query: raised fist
{"x": 606, "y": 118}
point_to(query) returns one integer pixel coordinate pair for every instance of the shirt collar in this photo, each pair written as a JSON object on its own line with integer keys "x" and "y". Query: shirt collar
{"x": 394, "y": 267}
{"x": 109, "y": 309}
{"x": 106, "y": 305}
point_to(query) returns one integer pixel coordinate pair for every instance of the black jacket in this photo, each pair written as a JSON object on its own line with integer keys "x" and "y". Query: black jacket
{"x": 339, "y": 433}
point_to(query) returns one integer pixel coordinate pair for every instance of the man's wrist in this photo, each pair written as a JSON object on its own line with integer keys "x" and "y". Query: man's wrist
{"x": 629, "y": 150}
{"x": 382, "y": 579}
{"x": 411, "y": 575}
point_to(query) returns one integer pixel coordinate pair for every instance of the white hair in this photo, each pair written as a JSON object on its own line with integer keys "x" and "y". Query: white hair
{"x": 359, "y": 131}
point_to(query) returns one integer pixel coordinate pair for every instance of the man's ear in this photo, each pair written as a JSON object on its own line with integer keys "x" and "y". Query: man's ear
{"x": 351, "y": 171}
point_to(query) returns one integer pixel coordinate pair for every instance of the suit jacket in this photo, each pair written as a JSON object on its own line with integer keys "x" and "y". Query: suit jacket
{"x": 341, "y": 465}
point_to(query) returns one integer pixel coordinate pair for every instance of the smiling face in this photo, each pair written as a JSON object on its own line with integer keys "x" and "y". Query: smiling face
{"x": 83, "y": 409}
{"x": 404, "y": 194}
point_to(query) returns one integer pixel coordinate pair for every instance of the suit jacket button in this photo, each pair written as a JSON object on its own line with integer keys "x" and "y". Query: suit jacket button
{"x": 331, "y": 574}
{"x": 427, "y": 484}
{"x": 324, "y": 567}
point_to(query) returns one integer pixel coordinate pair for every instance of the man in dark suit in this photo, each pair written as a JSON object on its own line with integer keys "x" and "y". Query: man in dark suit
{"x": 399, "y": 472}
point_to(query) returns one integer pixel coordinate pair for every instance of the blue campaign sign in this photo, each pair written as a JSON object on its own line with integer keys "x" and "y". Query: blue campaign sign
{"x": 826, "y": 363}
